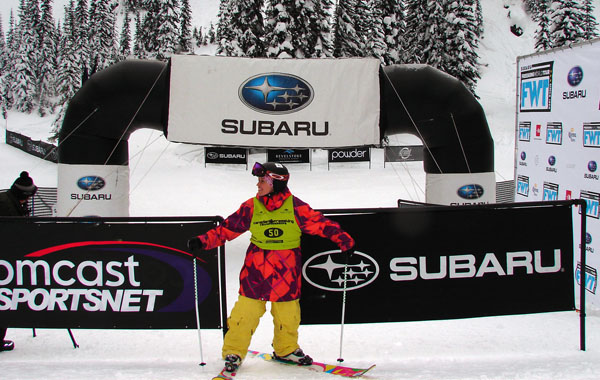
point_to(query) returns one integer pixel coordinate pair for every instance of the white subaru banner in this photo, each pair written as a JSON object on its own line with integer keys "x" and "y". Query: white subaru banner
{"x": 93, "y": 190}
{"x": 289, "y": 103}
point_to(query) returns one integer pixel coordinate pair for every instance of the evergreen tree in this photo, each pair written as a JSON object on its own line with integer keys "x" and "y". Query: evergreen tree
{"x": 185, "y": 32}
{"x": 225, "y": 33}
{"x": 160, "y": 29}
{"x": 346, "y": 42}
{"x": 320, "y": 44}
{"x": 7, "y": 78}
{"x": 101, "y": 40}
{"x": 125, "y": 40}
{"x": 48, "y": 36}
{"x": 247, "y": 29}
{"x": 80, "y": 48}
{"x": 568, "y": 21}
{"x": 393, "y": 26}
{"x": 279, "y": 29}
{"x": 543, "y": 40}
{"x": 24, "y": 87}
{"x": 376, "y": 44}
{"x": 212, "y": 36}
{"x": 138, "y": 47}
{"x": 461, "y": 58}
{"x": 590, "y": 25}
{"x": 417, "y": 30}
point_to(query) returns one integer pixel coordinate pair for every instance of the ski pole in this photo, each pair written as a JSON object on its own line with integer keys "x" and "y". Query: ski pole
{"x": 202, "y": 362}
{"x": 341, "y": 359}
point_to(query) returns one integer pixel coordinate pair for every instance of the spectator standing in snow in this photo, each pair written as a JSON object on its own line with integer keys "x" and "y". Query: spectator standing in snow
{"x": 13, "y": 202}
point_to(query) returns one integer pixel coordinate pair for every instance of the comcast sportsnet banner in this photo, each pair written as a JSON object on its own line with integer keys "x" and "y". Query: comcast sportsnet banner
{"x": 430, "y": 263}
{"x": 97, "y": 274}
{"x": 274, "y": 102}
{"x": 558, "y": 137}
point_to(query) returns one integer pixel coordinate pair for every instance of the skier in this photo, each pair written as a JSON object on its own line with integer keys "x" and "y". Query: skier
{"x": 13, "y": 202}
{"x": 272, "y": 267}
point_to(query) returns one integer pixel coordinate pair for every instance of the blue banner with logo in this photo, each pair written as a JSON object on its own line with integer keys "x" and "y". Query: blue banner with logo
{"x": 95, "y": 273}
{"x": 432, "y": 263}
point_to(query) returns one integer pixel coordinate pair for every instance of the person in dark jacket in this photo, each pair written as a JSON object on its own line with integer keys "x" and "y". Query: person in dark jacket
{"x": 272, "y": 269}
{"x": 13, "y": 202}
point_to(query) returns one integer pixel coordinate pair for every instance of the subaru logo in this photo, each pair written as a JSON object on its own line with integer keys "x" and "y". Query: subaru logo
{"x": 575, "y": 76}
{"x": 523, "y": 156}
{"x": 91, "y": 183}
{"x": 326, "y": 270}
{"x": 212, "y": 155}
{"x": 588, "y": 238}
{"x": 551, "y": 160}
{"x": 276, "y": 93}
{"x": 592, "y": 166}
{"x": 470, "y": 191}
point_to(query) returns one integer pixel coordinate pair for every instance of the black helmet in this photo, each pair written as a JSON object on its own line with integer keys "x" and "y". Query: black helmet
{"x": 277, "y": 172}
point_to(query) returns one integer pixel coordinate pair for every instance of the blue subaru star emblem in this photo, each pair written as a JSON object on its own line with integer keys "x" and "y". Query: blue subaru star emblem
{"x": 276, "y": 93}
{"x": 472, "y": 191}
{"x": 91, "y": 182}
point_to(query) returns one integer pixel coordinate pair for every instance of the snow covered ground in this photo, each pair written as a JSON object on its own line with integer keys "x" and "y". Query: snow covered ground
{"x": 171, "y": 179}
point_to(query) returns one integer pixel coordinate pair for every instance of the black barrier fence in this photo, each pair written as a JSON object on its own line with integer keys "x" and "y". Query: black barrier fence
{"x": 36, "y": 148}
{"x": 411, "y": 264}
{"x": 432, "y": 263}
{"x": 107, "y": 273}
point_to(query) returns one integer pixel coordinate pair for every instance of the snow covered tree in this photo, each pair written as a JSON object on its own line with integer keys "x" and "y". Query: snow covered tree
{"x": 241, "y": 28}
{"x": 138, "y": 46}
{"x": 393, "y": 26}
{"x": 567, "y": 22}
{"x": 80, "y": 48}
{"x": 460, "y": 55}
{"x": 590, "y": 25}
{"x": 48, "y": 37}
{"x": 185, "y": 29}
{"x": 224, "y": 34}
{"x": 168, "y": 33}
{"x": 101, "y": 40}
{"x": 347, "y": 42}
{"x": 24, "y": 87}
{"x": 7, "y": 77}
{"x": 543, "y": 40}
{"x": 125, "y": 39}
{"x": 417, "y": 30}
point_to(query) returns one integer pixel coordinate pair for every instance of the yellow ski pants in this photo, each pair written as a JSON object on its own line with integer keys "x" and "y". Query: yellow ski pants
{"x": 244, "y": 319}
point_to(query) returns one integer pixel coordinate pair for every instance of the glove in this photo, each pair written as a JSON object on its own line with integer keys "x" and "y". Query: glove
{"x": 194, "y": 244}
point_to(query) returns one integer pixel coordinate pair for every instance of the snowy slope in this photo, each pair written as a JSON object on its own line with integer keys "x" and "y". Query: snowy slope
{"x": 170, "y": 179}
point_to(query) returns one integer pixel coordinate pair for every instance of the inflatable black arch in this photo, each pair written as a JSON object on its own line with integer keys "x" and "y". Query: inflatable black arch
{"x": 415, "y": 99}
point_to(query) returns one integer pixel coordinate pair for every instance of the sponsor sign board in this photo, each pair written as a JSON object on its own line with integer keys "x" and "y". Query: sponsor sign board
{"x": 225, "y": 155}
{"x": 289, "y": 156}
{"x": 274, "y": 102}
{"x": 98, "y": 274}
{"x": 430, "y": 263}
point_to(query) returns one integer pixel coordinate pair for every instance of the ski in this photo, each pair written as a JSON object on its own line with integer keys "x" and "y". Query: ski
{"x": 333, "y": 369}
{"x": 225, "y": 375}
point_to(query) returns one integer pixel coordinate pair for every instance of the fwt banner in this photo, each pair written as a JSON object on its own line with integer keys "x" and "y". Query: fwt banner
{"x": 557, "y": 136}
{"x": 90, "y": 273}
{"x": 274, "y": 102}
{"x": 430, "y": 263}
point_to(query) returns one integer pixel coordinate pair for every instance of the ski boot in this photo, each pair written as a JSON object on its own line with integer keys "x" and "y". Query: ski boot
{"x": 232, "y": 362}
{"x": 7, "y": 345}
{"x": 297, "y": 357}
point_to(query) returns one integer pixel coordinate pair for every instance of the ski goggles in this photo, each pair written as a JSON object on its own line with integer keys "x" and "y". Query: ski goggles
{"x": 260, "y": 171}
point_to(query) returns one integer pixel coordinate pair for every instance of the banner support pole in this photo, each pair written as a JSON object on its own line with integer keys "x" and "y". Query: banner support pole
{"x": 202, "y": 363}
{"x": 582, "y": 274}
